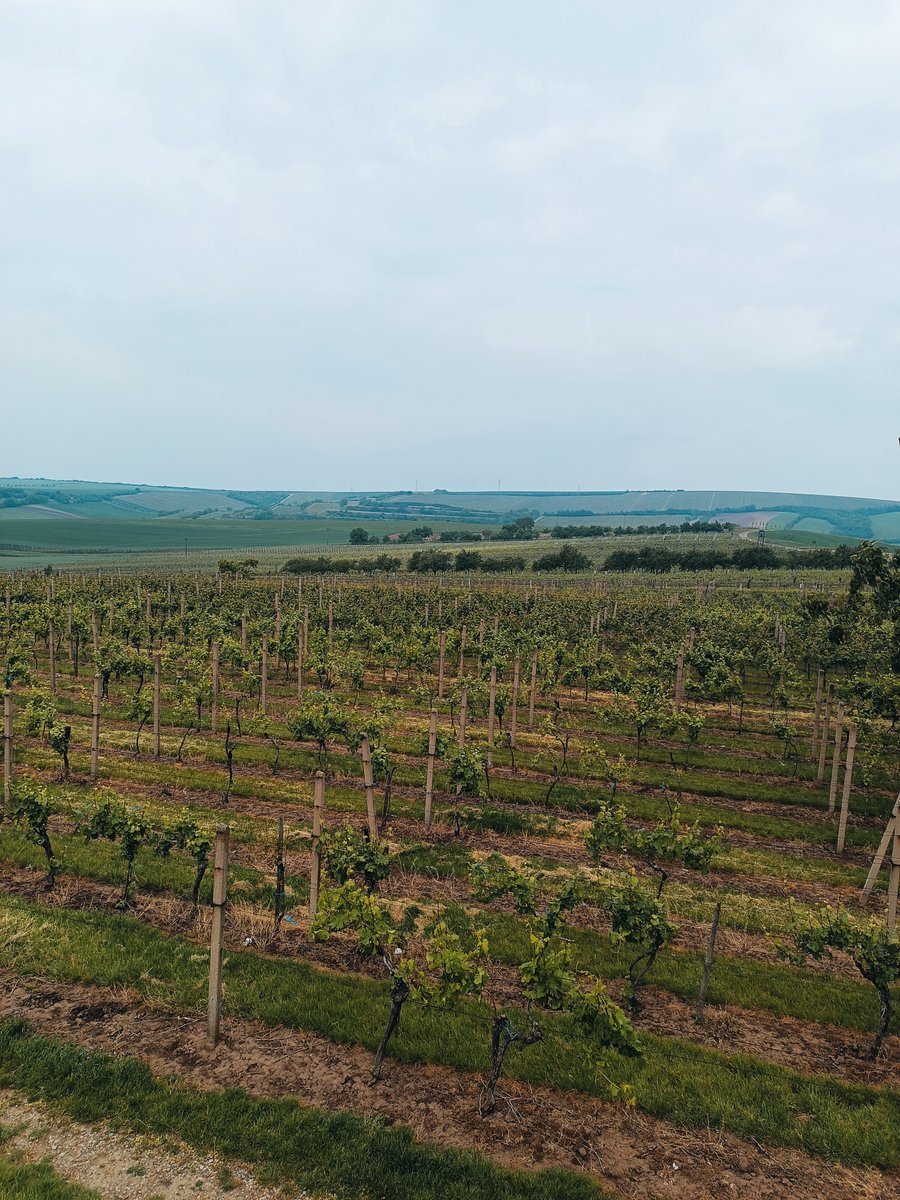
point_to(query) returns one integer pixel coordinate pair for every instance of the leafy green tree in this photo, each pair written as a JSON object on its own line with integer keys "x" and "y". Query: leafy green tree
{"x": 566, "y": 558}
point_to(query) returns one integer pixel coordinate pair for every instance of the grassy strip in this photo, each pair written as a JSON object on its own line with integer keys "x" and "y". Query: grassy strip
{"x": 685, "y": 1083}
{"x": 38, "y": 1181}
{"x": 746, "y": 983}
{"x": 103, "y": 861}
{"x": 285, "y": 1142}
{"x": 582, "y": 801}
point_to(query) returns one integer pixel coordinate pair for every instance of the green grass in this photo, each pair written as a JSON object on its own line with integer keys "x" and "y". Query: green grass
{"x": 283, "y": 1141}
{"x": 685, "y": 1083}
{"x": 38, "y": 1181}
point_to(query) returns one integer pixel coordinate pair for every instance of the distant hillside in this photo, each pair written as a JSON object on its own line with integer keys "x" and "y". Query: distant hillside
{"x": 840, "y": 516}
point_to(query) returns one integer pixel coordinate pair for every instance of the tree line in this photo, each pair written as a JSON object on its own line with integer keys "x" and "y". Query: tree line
{"x": 660, "y": 559}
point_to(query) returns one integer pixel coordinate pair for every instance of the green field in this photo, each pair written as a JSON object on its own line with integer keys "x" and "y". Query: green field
{"x": 38, "y": 501}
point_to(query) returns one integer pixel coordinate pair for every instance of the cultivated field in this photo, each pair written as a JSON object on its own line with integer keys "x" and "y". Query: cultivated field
{"x": 516, "y": 808}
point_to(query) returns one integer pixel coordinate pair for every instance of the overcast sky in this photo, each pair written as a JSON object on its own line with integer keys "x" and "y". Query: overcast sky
{"x": 348, "y": 243}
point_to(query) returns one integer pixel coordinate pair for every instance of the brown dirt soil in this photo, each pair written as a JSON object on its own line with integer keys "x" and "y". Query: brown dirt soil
{"x": 117, "y": 1165}
{"x": 639, "y": 1156}
{"x": 800, "y": 1045}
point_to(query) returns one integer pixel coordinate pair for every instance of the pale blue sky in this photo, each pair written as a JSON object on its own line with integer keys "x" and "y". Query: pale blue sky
{"x": 348, "y": 243}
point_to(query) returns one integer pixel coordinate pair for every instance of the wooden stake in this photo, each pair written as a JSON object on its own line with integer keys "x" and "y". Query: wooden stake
{"x": 848, "y": 782}
{"x": 826, "y": 729}
{"x": 533, "y": 690}
{"x": 51, "y": 630}
{"x": 894, "y": 878}
{"x": 299, "y": 660}
{"x": 365, "y": 751}
{"x": 279, "y": 873}
{"x": 219, "y": 898}
{"x": 817, "y": 722}
{"x": 707, "y": 963}
{"x": 882, "y": 849}
{"x": 157, "y": 681}
{"x": 462, "y": 651}
{"x": 264, "y": 676}
{"x": 679, "y": 679}
{"x": 7, "y": 743}
{"x": 244, "y": 636}
{"x": 95, "y": 728}
{"x": 836, "y": 759}
{"x": 214, "y": 706}
{"x": 429, "y": 777}
{"x": 514, "y": 706}
{"x": 442, "y": 646}
{"x": 463, "y": 705}
{"x": 316, "y": 845}
{"x": 492, "y": 704}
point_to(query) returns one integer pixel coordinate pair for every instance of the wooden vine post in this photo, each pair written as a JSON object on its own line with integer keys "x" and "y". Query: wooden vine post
{"x": 442, "y": 646}
{"x": 51, "y": 630}
{"x": 463, "y": 706}
{"x": 848, "y": 783}
{"x": 817, "y": 720}
{"x": 299, "y": 660}
{"x": 315, "y": 866}
{"x": 7, "y": 742}
{"x": 492, "y": 705}
{"x": 514, "y": 705}
{"x": 707, "y": 963}
{"x": 214, "y": 704}
{"x": 679, "y": 679}
{"x": 157, "y": 686}
{"x": 264, "y": 676}
{"x": 826, "y": 729}
{"x": 95, "y": 728}
{"x": 894, "y": 878}
{"x": 429, "y": 777}
{"x": 891, "y": 837}
{"x": 219, "y": 899}
{"x": 836, "y": 758}
{"x": 532, "y": 693}
{"x": 279, "y": 873}
{"x": 365, "y": 751}
{"x": 462, "y": 651}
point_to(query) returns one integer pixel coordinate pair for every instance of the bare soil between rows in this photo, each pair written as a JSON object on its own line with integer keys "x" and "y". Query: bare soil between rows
{"x": 802, "y": 1046}
{"x": 640, "y": 1156}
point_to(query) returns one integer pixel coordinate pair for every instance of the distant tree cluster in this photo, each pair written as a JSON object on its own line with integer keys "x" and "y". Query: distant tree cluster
{"x": 320, "y": 564}
{"x": 595, "y": 531}
{"x": 524, "y": 529}
{"x": 433, "y": 561}
{"x": 237, "y": 568}
{"x": 659, "y": 559}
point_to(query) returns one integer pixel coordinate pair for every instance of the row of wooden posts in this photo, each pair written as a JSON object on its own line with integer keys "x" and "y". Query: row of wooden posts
{"x": 822, "y": 732}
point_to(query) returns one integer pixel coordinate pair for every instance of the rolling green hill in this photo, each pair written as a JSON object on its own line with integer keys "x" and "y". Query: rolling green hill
{"x": 70, "y": 516}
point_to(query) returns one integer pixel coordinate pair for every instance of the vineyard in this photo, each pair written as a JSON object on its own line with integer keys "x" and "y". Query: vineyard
{"x": 456, "y": 887}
